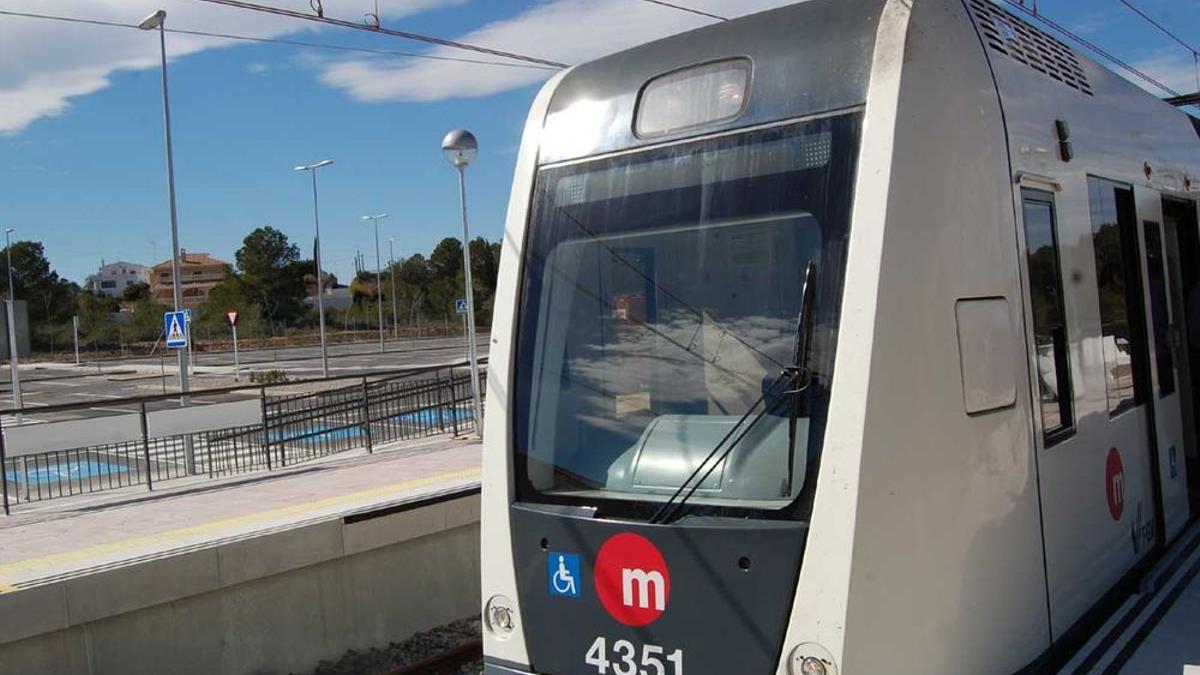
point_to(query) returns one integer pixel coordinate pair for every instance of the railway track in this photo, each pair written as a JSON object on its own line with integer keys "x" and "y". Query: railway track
{"x": 447, "y": 662}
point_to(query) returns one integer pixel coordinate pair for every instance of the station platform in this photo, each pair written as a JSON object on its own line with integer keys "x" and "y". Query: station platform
{"x": 267, "y": 573}
{"x": 1157, "y": 630}
{"x": 50, "y": 540}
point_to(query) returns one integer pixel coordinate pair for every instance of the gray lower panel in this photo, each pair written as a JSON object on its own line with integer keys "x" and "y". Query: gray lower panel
{"x": 730, "y": 584}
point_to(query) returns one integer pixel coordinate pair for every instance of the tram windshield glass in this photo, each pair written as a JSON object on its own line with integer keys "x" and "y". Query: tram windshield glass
{"x": 661, "y": 297}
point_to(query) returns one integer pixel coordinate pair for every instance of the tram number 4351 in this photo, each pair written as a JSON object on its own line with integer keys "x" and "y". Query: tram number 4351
{"x": 623, "y": 659}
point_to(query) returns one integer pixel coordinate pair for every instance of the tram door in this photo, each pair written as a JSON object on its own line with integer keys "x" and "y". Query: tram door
{"x": 1182, "y": 242}
{"x": 1166, "y": 386}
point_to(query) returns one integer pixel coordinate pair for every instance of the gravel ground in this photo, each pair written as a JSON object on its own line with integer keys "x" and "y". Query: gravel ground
{"x": 377, "y": 661}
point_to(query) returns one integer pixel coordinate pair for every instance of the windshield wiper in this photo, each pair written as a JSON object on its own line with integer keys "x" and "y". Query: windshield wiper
{"x": 796, "y": 376}
{"x": 801, "y": 375}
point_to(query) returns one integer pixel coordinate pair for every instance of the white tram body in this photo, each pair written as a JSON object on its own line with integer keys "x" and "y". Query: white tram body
{"x": 996, "y": 432}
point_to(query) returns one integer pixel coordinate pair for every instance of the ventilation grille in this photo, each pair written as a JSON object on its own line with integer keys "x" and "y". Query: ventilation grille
{"x": 1028, "y": 44}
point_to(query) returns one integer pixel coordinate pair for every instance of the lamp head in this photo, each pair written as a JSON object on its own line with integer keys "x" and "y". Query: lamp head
{"x": 153, "y": 21}
{"x": 460, "y": 147}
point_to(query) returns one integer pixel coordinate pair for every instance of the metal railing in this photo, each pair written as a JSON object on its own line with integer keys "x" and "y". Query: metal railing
{"x": 149, "y": 442}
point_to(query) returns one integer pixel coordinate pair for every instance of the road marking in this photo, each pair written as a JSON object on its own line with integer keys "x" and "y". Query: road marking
{"x": 57, "y": 384}
{"x": 103, "y": 409}
{"x": 92, "y": 394}
{"x": 226, "y": 523}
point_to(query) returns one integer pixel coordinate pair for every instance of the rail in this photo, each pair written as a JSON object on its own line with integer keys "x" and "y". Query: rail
{"x": 147, "y": 440}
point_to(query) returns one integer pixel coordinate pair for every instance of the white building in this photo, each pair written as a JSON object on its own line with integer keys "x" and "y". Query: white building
{"x": 112, "y": 278}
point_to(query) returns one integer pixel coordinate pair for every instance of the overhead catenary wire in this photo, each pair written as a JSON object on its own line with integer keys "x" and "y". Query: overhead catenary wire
{"x": 1170, "y": 34}
{"x": 373, "y": 28}
{"x": 689, "y": 10}
{"x": 276, "y": 41}
{"x": 1096, "y": 49}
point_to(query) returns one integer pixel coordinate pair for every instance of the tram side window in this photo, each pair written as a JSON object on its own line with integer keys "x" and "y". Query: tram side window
{"x": 1118, "y": 281}
{"x": 1049, "y": 318}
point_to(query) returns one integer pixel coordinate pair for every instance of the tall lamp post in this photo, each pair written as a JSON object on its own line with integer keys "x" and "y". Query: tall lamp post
{"x": 155, "y": 22}
{"x": 392, "y": 265}
{"x": 18, "y": 402}
{"x": 312, "y": 168}
{"x": 379, "y": 275}
{"x": 461, "y": 148}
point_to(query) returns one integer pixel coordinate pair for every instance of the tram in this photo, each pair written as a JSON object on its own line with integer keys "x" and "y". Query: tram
{"x": 856, "y": 336}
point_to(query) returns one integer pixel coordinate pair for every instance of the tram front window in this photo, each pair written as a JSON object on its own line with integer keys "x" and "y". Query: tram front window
{"x": 660, "y": 300}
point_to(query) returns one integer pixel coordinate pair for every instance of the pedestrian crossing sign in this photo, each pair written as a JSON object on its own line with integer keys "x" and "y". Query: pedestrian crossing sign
{"x": 460, "y": 305}
{"x": 175, "y": 328}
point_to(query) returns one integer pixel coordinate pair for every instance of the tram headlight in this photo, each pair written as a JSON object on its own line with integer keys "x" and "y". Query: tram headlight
{"x": 811, "y": 665}
{"x": 500, "y": 617}
{"x": 695, "y": 96}
{"x": 811, "y": 658}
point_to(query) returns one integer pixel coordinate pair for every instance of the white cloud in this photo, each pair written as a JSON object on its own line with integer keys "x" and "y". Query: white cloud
{"x": 1173, "y": 68}
{"x": 568, "y": 31}
{"x": 45, "y": 64}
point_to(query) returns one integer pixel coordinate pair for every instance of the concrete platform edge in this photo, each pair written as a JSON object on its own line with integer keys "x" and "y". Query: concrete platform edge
{"x": 93, "y": 595}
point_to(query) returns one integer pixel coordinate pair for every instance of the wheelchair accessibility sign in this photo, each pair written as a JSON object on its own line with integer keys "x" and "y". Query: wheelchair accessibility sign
{"x": 563, "y": 569}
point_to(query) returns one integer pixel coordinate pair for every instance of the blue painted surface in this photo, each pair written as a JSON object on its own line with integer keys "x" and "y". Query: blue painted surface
{"x": 317, "y": 433}
{"x": 64, "y": 471}
{"x": 431, "y": 416}
{"x": 427, "y": 417}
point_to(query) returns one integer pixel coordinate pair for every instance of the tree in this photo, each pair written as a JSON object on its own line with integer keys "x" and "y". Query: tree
{"x": 135, "y": 292}
{"x": 446, "y": 260}
{"x": 267, "y": 262}
{"x": 50, "y": 297}
{"x": 96, "y": 323}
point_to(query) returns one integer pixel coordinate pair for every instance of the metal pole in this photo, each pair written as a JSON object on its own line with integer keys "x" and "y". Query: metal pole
{"x": 366, "y": 414}
{"x": 75, "y": 327}
{"x": 320, "y": 281}
{"x": 477, "y": 409}
{"x": 176, "y": 273}
{"x": 237, "y": 366}
{"x": 392, "y": 265}
{"x": 378, "y": 284}
{"x": 266, "y": 428}
{"x": 14, "y": 361}
{"x": 146, "y": 448}
{"x": 3, "y": 471}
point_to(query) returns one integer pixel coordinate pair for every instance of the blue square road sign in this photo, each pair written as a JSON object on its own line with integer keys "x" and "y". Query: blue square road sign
{"x": 460, "y": 305}
{"x": 175, "y": 327}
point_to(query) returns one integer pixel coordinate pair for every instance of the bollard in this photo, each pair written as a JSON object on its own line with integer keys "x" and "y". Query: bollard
{"x": 146, "y": 448}
{"x": 266, "y": 428}
{"x": 3, "y": 461}
{"x": 366, "y": 414}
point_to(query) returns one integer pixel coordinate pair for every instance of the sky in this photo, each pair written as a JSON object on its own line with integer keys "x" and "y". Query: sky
{"x": 81, "y": 138}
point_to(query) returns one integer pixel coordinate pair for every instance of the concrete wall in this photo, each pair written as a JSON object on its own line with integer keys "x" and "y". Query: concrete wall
{"x": 274, "y": 603}
{"x": 21, "y": 310}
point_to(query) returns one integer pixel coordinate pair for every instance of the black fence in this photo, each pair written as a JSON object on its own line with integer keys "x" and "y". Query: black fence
{"x": 299, "y": 422}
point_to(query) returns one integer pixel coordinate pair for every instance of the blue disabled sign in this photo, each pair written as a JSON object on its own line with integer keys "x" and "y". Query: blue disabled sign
{"x": 175, "y": 327}
{"x": 563, "y": 571}
{"x": 460, "y": 305}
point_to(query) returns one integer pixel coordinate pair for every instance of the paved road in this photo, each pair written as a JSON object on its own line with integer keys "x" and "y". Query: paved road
{"x": 104, "y": 384}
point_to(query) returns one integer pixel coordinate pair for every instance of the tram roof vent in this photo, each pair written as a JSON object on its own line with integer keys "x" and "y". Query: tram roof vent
{"x": 1022, "y": 41}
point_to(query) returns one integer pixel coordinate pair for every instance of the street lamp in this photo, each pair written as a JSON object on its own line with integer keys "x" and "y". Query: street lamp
{"x": 378, "y": 275}
{"x": 12, "y": 325}
{"x": 155, "y": 22}
{"x": 460, "y": 148}
{"x": 392, "y": 265}
{"x": 312, "y": 168}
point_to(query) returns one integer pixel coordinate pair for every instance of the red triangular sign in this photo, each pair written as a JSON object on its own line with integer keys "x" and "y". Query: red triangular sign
{"x": 232, "y": 318}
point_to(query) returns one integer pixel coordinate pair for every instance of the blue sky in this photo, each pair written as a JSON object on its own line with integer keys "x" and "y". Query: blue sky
{"x": 81, "y": 152}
